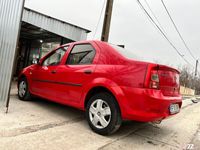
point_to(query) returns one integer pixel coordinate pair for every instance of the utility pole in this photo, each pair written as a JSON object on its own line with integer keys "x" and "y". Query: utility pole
{"x": 196, "y": 71}
{"x": 107, "y": 20}
{"x": 197, "y": 61}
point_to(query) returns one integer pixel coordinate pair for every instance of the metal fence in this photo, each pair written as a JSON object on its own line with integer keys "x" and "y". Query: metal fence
{"x": 10, "y": 19}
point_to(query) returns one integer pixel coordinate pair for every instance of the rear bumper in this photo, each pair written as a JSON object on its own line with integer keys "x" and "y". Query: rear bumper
{"x": 146, "y": 105}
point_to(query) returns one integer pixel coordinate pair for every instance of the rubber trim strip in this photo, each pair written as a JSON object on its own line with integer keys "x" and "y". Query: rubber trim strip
{"x": 54, "y": 82}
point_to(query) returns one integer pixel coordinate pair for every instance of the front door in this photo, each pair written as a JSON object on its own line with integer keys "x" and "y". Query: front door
{"x": 43, "y": 81}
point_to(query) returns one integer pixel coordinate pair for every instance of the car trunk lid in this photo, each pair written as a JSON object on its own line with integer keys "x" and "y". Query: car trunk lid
{"x": 168, "y": 81}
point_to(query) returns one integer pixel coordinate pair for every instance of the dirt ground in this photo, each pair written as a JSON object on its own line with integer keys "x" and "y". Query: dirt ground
{"x": 42, "y": 125}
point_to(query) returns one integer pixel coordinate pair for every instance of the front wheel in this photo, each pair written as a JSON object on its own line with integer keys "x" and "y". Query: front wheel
{"x": 103, "y": 114}
{"x": 23, "y": 90}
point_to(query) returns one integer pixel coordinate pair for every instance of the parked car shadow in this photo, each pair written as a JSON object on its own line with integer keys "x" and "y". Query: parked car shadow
{"x": 59, "y": 109}
{"x": 128, "y": 128}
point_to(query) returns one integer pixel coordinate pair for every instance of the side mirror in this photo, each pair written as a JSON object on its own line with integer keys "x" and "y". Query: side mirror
{"x": 40, "y": 61}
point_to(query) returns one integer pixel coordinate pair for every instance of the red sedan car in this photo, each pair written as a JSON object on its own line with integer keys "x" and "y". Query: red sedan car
{"x": 106, "y": 81}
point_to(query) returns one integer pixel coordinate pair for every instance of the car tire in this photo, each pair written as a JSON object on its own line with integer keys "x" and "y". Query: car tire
{"x": 23, "y": 90}
{"x": 103, "y": 113}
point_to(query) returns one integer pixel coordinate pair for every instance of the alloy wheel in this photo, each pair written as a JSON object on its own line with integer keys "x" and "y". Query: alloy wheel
{"x": 22, "y": 88}
{"x": 100, "y": 114}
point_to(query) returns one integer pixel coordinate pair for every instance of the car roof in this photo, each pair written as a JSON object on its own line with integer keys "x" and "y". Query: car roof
{"x": 85, "y": 41}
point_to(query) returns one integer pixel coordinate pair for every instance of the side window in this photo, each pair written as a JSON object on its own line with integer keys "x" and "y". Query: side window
{"x": 81, "y": 54}
{"x": 55, "y": 58}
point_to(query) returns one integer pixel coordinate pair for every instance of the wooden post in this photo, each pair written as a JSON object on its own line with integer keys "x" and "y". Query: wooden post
{"x": 107, "y": 20}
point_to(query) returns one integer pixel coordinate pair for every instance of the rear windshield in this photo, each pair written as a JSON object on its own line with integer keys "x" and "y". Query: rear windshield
{"x": 126, "y": 52}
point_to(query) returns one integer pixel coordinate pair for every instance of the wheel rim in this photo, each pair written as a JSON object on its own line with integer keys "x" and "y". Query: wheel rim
{"x": 100, "y": 114}
{"x": 22, "y": 88}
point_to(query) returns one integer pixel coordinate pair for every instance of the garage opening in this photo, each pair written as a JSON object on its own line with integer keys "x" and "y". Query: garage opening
{"x": 34, "y": 43}
{"x": 40, "y": 34}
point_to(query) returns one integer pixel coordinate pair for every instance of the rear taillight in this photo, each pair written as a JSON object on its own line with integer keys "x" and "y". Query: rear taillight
{"x": 154, "y": 80}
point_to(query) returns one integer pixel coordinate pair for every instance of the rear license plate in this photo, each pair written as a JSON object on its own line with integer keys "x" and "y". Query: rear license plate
{"x": 174, "y": 108}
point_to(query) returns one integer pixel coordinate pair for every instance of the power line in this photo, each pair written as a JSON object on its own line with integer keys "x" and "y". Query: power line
{"x": 154, "y": 15}
{"x": 164, "y": 35}
{"x": 99, "y": 19}
{"x": 177, "y": 30}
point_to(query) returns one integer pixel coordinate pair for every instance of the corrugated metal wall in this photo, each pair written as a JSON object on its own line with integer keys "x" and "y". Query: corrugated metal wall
{"x": 53, "y": 25}
{"x": 10, "y": 18}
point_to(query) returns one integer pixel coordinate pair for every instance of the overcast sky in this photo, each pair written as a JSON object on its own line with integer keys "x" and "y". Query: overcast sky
{"x": 132, "y": 28}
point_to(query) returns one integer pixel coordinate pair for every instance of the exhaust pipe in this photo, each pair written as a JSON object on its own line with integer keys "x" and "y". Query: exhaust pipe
{"x": 157, "y": 121}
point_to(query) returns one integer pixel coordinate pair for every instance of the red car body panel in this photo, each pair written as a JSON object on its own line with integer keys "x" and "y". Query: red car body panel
{"x": 128, "y": 81}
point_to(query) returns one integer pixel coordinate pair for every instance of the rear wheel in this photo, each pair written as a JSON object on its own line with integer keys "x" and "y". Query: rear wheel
{"x": 23, "y": 90}
{"x": 103, "y": 114}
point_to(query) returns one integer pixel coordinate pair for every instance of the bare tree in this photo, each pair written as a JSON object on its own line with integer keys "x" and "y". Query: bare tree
{"x": 187, "y": 79}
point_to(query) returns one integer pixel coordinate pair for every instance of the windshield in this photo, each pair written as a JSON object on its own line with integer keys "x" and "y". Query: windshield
{"x": 126, "y": 52}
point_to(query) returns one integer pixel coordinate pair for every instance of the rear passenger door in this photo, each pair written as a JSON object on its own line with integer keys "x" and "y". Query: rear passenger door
{"x": 76, "y": 73}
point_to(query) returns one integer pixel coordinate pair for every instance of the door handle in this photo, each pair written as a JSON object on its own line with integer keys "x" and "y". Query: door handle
{"x": 53, "y": 71}
{"x": 88, "y": 71}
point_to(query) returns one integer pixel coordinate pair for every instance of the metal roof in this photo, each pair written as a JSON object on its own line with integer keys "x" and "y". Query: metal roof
{"x": 32, "y": 32}
{"x": 56, "y": 26}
